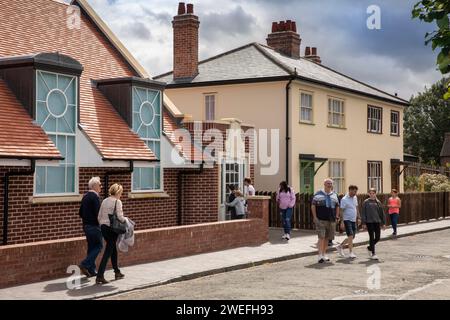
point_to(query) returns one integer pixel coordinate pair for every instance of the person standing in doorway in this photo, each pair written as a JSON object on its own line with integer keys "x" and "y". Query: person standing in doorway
{"x": 89, "y": 209}
{"x": 373, "y": 219}
{"x": 238, "y": 204}
{"x": 286, "y": 203}
{"x": 231, "y": 197}
{"x": 349, "y": 220}
{"x": 394, "y": 205}
{"x": 325, "y": 211}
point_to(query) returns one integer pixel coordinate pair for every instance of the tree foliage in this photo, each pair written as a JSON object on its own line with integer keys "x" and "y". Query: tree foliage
{"x": 438, "y": 11}
{"x": 427, "y": 120}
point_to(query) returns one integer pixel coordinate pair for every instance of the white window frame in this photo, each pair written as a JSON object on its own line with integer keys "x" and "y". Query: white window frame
{"x": 59, "y": 134}
{"x": 150, "y": 140}
{"x": 374, "y": 180}
{"x": 210, "y": 106}
{"x": 338, "y": 180}
{"x": 331, "y": 112}
{"x": 395, "y": 124}
{"x": 374, "y": 119}
{"x": 309, "y": 108}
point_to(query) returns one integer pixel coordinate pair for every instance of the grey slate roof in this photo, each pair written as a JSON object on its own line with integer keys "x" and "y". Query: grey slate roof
{"x": 256, "y": 61}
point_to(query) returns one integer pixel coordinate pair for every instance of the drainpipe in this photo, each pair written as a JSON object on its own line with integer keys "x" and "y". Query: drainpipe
{"x": 182, "y": 173}
{"x": 288, "y": 138}
{"x": 6, "y": 196}
{"x": 110, "y": 173}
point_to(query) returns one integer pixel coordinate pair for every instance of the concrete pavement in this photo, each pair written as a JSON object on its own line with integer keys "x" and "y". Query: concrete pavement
{"x": 163, "y": 272}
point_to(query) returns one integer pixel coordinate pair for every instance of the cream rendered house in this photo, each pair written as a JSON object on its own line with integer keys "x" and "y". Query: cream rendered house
{"x": 330, "y": 124}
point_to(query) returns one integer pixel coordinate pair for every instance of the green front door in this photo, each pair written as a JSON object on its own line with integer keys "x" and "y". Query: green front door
{"x": 307, "y": 177}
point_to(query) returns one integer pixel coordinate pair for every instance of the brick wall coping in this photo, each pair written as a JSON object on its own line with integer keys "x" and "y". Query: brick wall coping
{"x": 259, "y": 198}
{"x": 60, "y": 199}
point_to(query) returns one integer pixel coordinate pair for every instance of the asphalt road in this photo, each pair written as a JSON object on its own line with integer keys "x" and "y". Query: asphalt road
{"x": 415, "y": 267}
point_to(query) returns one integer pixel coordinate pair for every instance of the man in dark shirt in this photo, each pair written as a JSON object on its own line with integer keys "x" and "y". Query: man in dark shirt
{"x": 89, "y": 209}
{"x": 231, "y": 197}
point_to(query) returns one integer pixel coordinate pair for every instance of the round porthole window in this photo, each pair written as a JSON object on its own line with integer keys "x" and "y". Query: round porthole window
{"x": 147, "y": 114}
{"x": 56, "y": 103}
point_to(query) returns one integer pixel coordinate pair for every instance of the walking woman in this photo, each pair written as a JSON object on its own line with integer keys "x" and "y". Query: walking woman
{"x": 394, "y": 205}
{"x": 373, "y": 219}
{"x": 109, "y": 205}
{"x": 286, "y": 203}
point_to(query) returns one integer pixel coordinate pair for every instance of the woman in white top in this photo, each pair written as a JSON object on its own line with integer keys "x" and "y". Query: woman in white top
{"x": 107, "y": 210}
{"x": 249, "y": 190}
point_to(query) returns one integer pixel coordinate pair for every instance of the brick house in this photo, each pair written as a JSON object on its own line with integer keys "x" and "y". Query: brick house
{"x": 74, "y": 104}
{"x": 316, "y": 110}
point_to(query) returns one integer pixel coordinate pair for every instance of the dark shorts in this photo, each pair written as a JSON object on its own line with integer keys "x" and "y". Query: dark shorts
{"x": 350, "y": 228}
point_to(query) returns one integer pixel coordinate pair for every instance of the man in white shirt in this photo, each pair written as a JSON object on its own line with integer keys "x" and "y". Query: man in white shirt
{"x": 350, "y": 219}
{"x": 249, "y": 190}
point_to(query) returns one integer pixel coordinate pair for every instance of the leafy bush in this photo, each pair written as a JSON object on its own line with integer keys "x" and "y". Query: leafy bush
{"x": 434, "y": 182}
{"x": 411, "y": 184}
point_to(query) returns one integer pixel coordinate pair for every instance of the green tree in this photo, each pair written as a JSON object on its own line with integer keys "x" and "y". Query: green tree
{"x": 438, "y": 11}
{"x": 427, "y": 120}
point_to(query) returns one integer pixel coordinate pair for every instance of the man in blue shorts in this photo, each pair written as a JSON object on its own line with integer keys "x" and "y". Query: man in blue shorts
{"x": 350, "y": 219}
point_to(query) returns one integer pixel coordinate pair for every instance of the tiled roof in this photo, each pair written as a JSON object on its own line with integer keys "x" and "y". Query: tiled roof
{"x": 194, "y": 154}
{"x": 19, "y": 137}
{"x": 256, "y": 61}
{"x": 28, "y": 27}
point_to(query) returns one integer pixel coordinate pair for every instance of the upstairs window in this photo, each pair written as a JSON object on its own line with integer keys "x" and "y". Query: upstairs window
{"x": 395, "y": 123}
{"x": 336, "y": 113}
{"x": 306, "y": 108}
{"x": 56, "y": 113}
{"x": 147, "y": 123}
{"x": 210, "y": 107}
{"x": 374, "y": 119}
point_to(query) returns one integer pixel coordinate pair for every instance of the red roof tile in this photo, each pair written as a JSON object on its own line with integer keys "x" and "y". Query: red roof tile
{"x": 19, "y": 137}
{"x": 28, "y": 27}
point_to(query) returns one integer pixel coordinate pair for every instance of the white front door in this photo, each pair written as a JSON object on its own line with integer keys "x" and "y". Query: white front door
{"x": 232, "y": 173}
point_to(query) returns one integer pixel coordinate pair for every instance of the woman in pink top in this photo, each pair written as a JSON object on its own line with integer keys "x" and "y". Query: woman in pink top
{"x": 394, "y": 205}
{"x": 286, "y": 203}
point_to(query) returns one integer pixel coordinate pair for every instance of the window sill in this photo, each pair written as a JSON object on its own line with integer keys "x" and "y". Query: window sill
{"x": 60, "y": 199}
{"x": 373, "y": 132}
{"x": 307, "y": 123}
{"x": 395, "y": 135}
{"x": 333, "y": 127}
{"x": 148, "y": 195}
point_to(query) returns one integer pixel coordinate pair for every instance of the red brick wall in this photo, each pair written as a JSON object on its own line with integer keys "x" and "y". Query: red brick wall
{"x": 30, "y": 223}
{"x": 185, "y": 46}
{"x": 200, "y": 197}
{"x": 49, "y": 260}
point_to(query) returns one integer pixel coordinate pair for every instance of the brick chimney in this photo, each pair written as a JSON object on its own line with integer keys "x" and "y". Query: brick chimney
{"x": 311, "y": 54}
{"x": 185, "y": 42}
{"x": 285, "y": 39}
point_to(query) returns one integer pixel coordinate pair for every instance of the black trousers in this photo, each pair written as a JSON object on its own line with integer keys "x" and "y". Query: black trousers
{"x": 374, "y": 230}
{"x": 110, "y": 251}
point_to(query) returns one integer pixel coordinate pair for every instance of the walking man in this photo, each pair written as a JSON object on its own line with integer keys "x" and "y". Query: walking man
{"x": 89, "y": 209}
{"x": 325, "y": 211}
{"x": 349, "y": 219}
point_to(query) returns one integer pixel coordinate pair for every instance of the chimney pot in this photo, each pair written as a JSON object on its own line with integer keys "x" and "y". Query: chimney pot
{"x": 181, "y": 8}
{"x": 289, "y": 25}
{"x": 274, "y": 27}
{"x": 307, "y": 51}
{"x": 294, "y": 26}
{"x": 190, "y": 8}
{"x": 282, "y": 26}
{"x": 314, "y": 51}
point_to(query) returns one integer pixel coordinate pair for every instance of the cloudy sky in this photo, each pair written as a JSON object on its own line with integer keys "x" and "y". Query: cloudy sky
{"x": 393, "y": 58}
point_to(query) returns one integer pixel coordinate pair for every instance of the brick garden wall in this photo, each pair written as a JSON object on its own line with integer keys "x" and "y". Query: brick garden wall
{"x": 38, "y": 222}
{"x": 47, "y": 260}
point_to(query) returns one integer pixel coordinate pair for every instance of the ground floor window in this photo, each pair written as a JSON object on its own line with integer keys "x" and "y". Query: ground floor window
{"x": 147, "y": 179}
{"x": 336, "y": 172}
{"x": 375, "y": 175}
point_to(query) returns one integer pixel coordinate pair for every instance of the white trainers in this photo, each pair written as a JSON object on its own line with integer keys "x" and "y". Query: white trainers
{"x": 340, "y": 251}
{"x": 284, "y": 236}
{"x": 288, "y": 237}
{"x": 352, "y": 255}
{"x": 374, "y": 257}
{"x": 320, "y": 259}
{"x": 326, "y": 258}
{"x": 369, "y": 252}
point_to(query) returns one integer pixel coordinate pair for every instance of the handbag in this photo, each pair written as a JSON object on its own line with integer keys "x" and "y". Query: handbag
{"x": 117, "y": 226}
